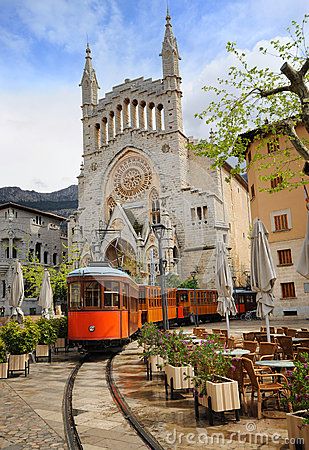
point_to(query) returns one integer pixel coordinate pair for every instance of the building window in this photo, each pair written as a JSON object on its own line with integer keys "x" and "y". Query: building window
{"x": 3, "y": 288}
{"x": 281, "y": 222}
{"x": 288, "y": 290}
{"x": 199, "y": 213}
{"x": 249, "y": 156}
{"x": 273, "y": 145}
{"x": 45, "y": 257}
{"x": 306, "y": 288}
{"x": 38, "y": 246}
{"x": 193, "y": 214}
{"x": 285, "y": 257}
{"x": 252, "y": 191}
{"x": 55, "y": 259}
{"x": 275, "y": 182}
{"x": 38, "y": 220}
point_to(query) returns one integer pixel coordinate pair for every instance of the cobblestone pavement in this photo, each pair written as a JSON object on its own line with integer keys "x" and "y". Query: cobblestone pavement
{"x": 30, "y": 408}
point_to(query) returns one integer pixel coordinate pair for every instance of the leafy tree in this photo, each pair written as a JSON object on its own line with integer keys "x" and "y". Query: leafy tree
{"x": 189, "y": 283}
{"x": 272, "y": 103}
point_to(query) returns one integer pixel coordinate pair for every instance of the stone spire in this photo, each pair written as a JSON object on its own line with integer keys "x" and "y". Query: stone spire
{"x": 169, "y": 53}
{"x": 89, "y": 83}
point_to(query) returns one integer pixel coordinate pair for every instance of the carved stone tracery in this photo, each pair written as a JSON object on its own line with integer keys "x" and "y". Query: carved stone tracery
{"x": 133, "y": 176}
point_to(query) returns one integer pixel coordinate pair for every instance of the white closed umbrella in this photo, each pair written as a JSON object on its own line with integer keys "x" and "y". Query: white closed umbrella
{"x": 263, "y": 275}
{"x": 224, "y": 285}
{"x": 46, "y": 295}
{"x": 17, "y": 292}
{"x": 303, "y": 263}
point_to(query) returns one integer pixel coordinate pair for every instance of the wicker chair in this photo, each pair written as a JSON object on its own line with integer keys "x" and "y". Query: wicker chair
{"x": 300, "y": 351}
{"x": 302, "y": 334}
{"x": 249, "y": 336}
{"x": 250, "y": 345}
{"x": 286, "y": 344}
{"x": 261, "y": 337}
{"x": 304, "y": 343}
{"x": 231, "y": 343}
{"x": 260, "y": 387}
{"x": 267, "y": 350}
{"x": 304, "y": 329}
{"x": 216, "y": 331}
{"x": 291, "y": 332}
{"x": 280, "y": 331}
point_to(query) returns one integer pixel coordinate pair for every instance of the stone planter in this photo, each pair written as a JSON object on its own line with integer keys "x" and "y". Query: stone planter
{"x": 178, "y": 378}
{"x": 42, "y": 351}
{"x": 19, "y": 363}
{"x": 4, "y": 368}
{"x": 298, "y": 431}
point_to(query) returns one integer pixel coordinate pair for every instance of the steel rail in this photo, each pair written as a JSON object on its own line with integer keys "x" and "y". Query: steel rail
{"x": 70, "y": 432}
{"x": 147, "y": 437}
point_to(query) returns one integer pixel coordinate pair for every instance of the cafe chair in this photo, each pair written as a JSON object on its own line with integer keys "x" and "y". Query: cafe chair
{"x": 280, "y": 331}
{"x": 291, "y": 332}
{"x": 216, "y": 331}
{"x": 302, "y": 334}
{"x": 300, "y": 351}
{"x": 267, "y": 350}
{"x": 286, "y": 345}
{"x": 250, "y": 345}
{"x": 261, "y": 337}
{"x": 236, "y": 373}
{"x": 304, "y": 329}
{"x": 261, "y": 387}
{"x": 249, "y": 336}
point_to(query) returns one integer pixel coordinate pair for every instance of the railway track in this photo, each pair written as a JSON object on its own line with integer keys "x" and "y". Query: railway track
{"x": 71, "y": 434}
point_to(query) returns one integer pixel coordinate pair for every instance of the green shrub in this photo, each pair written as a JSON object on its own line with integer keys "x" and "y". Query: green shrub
{"x": 61, "y": 326}
{"x": 20, "y": 339}
{"x": 3, "y": 352}
{"x": 47, "y": 332}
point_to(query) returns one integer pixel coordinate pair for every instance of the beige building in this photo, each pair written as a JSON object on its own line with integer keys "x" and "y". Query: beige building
{"x": 25, "y": 233}
{"x": 137, "y": 166}
{"x": 285, "y": 217}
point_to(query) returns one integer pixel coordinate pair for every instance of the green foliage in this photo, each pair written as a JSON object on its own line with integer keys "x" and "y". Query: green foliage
{"x": 60, "y": 325}
{"x": 189, "y": 283}
{"x": 20, "y": 339}
{"x": 47, "y": 331}
{"x": 33, "y": 273}
{"x": 298, "y": 386}
{"x": 3, "y": 352}
{"x": 209, "y": 362}
{"x": 264, "y": 100}
{"x": 176, "y": 348}
{"x": 150, "y": 338}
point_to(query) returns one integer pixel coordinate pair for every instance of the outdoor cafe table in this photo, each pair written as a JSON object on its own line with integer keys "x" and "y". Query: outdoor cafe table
{"x": 236, "y": 352}
{"x": 296, "y": 340}
{"x": 276, "y": 364}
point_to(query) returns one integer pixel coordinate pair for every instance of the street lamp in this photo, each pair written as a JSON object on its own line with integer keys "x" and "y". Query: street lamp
{"x": 159, "y": 230}
{"x": 193, "y": 275}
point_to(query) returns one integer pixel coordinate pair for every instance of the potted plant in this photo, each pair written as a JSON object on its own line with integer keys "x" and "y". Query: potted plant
{"x": 47, "y": 337}
{"x": 151, "y": 339}
{"x": 213, "y": 389}
{"x": 61, "y": 327}
{"x": 176, "y": 348}
{"x": 3, "y": 360}
{"x": 19, "y": 340}
{"x": 298, "y": 398}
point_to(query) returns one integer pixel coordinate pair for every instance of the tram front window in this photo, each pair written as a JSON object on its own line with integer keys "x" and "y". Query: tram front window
{"x": 111, "y": 294}
{"x": 92, "y": 294}
{"x": 75, "y": 297}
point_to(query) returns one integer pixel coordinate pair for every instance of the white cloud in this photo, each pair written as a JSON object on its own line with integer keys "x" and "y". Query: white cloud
{"x": 41, "y": 138}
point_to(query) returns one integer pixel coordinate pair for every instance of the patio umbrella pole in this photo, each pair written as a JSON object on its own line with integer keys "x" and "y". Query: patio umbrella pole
{"x": 267, "y": 327}
{"x": 227, "y": 323}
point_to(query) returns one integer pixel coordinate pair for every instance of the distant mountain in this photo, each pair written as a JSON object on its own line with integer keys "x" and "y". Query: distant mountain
{"x": 63, "y": 202}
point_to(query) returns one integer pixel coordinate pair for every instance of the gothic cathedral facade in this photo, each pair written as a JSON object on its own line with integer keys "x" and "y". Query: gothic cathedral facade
{"x": 137, "y": 170}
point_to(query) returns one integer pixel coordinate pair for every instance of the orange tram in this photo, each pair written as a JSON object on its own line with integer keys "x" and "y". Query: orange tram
{"x": 106, "y": 306}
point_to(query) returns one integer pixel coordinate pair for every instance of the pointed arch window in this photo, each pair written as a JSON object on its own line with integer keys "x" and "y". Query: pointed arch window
{"x": 155, "y": 216}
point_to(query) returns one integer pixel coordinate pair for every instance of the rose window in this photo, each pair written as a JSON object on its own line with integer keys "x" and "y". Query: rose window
{"x": 133, "y": 176}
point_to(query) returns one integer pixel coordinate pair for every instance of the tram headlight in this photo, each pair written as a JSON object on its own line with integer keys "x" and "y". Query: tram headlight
{"x": 91, "y": 328}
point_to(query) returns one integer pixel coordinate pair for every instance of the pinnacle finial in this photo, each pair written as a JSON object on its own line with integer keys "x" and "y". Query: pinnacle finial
{"x": 168, "y": 17}
{"x": 88, "y": 51}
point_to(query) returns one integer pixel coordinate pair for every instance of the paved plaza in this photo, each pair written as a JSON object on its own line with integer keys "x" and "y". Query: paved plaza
{"x": 31, "y": 408}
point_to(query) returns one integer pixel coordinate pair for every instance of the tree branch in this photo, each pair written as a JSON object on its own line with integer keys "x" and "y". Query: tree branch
{"x": 275, "y": 91}
{"x": 288, "y": 127}
{"x": 304, "y": 69}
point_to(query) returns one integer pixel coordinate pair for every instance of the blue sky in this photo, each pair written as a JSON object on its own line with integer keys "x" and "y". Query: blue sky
{"x": 42, "y": 58}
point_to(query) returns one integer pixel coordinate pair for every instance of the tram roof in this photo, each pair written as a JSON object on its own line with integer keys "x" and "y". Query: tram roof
{"x": 98, "y": 270}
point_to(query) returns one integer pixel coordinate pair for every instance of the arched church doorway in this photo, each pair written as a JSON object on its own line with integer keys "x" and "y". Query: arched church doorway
{"x": 121, "y": 254}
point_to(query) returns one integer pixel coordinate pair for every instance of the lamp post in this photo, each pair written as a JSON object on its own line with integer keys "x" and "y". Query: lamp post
{"x": 159, "y": 230}
{"x": 193, "y": 275}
